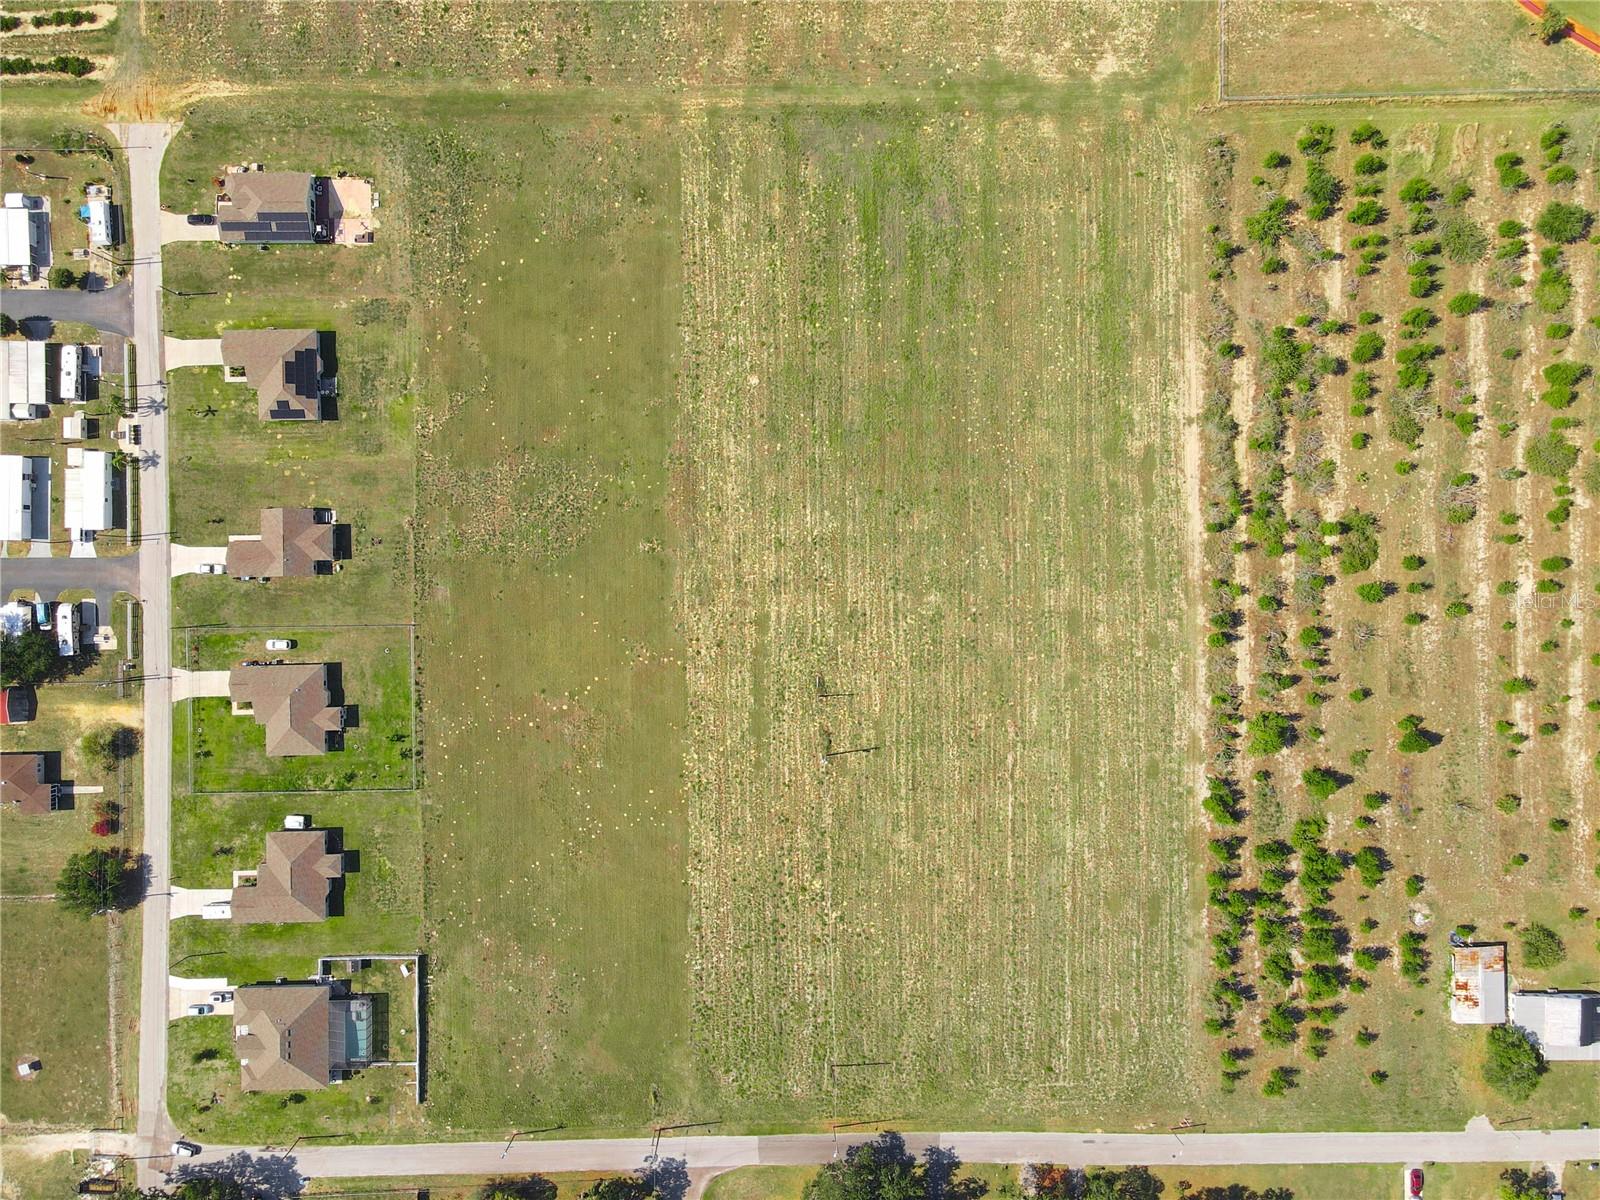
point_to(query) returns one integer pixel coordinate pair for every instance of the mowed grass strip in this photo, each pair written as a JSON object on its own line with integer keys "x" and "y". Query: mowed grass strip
{"x": 929, "y": 418}
{"x": 55, "y": 970}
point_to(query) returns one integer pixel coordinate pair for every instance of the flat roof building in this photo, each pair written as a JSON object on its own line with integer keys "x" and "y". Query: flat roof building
{"x": 1478, "y": 984}
{"x": 23, "y": 386}
{"x": 294, "y": 882}
{"x": 17, "y": 497}
{"x": 293, "y": 542}
{"x": 295, "y": 702}
{"x": 88, "y": 502}
{"x": 102, "y": 218}
{"x": 1564, "y": 1025}
{"x": 285, "y": 368}
{"x": 24, "y": 232}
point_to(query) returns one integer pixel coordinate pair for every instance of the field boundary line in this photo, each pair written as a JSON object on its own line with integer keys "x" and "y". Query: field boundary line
{"x": 1508, "y": 95}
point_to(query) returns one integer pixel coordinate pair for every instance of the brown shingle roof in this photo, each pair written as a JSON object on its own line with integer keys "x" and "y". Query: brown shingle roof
{"x": 283, "y": 365}
{"x": 294, "y": 881}
{"x": 282, "y": 1035}
{"x": 292, "y": 701}
{"x": 267, "y": 206}
{"x": 292, "y": 542}
{"x": 23, "y": 783}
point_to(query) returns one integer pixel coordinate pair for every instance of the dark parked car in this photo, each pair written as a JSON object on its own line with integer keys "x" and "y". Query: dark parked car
{"x": 201, "y": 219}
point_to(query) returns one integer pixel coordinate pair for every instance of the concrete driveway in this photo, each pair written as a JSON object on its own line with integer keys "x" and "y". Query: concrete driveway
{"x": 188, "y": 560}
{"x": 175, "y": 227}
{"x": 188, "y": 684}
{"x": 189, "y": 902}
{"x": 110, "y": 311}
{"x": 193, "y": 352}
{"x": 183, "y": 992}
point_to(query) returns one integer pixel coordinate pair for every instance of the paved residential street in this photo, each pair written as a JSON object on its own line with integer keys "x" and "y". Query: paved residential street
{"x": 110, "y": 310}
{"x": 1079, "y": 1149}
{"x": 52, "y": 576}
{"x": 145, "y": 145}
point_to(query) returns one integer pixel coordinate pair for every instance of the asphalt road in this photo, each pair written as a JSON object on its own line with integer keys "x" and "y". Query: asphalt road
{"x": 145, "y": 145}
{"x": 110, "y": 310}
{"x": 52, "y": 576}
{"x": 1079, "y": 1149}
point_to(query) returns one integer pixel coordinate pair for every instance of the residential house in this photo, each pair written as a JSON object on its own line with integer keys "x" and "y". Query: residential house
{"x": 293, "y": 542}
{"x": 18, "y": 483}
{"x": 293, "y": 1036}
{"x": 1564, "y": 1025}
{"x": 297, "y": 703}
{"x": 265, "y": 207}
{"x": 1478, "y": 984}
{"x": 102, "y": 218}
{"x": 25, "y": 783}
{"x": 294, "y": 883}
{"x": 285, "y": 368}
{"x": 88, "y": 504}
{"x": 24, "y": 233}
{"x": 22, "y": 388}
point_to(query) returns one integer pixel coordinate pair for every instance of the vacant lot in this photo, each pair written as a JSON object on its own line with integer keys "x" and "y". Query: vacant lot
{"x": 227, "y": 753}
{"x": 55, "y": 968}
{"x": 1329, "y": 48}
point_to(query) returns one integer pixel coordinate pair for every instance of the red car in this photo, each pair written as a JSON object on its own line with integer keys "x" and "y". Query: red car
{"x": 1416, "y": 1181}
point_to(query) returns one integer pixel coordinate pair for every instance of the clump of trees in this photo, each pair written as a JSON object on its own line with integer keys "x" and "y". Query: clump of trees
{"x": 1564, "y": 223}
{"x": 29, "y": 658}
{"x": 1512, "y": 1064}
{"x": 94, "y": 882}
{"x": 1542, "y": 947}
{"x": 62, "y": 64}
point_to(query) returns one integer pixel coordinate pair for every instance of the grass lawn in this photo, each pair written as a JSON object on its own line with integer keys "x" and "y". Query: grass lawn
{"x": 214, "y": 836}
{"x": 206, "y": 1102}
{"x": 55, "y": 969}
{"x": 24, "y": 1176}
{"x": 222, "y": 752}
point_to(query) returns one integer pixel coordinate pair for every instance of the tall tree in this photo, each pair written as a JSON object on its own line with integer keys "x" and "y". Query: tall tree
{"x": 93, "y": 882}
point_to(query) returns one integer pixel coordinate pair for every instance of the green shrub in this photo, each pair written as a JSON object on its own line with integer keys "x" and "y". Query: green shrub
{"x": 1564, "y": 223}
{"x": 1464, "y": 304}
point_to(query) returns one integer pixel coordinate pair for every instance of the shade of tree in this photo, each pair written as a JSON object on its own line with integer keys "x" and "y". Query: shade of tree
{"x": 883, "y": 1169}
{"x": 1320, "y": 782}
{"x": 105, "y": 746}
{"x": 1552, "y": 25}
{"x": 1127, "y": 1183}
{"x": 94, "y": 881}
{"x": 1512, "y": 1064}
{"x": 532, "y": 1187}
{"x": 29, "y": 658}
{"x": 1564, "y": 223}
{"x": 1370, "y": 864}
{"x": 1551, "y": 455}
{"x": 1542, "y": 947}
{"x": 1267, "y": 733}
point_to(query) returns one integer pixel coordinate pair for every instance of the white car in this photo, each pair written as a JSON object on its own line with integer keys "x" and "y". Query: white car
{"x": 213, "y": 569}
{"x": 184, "y": 1150}
{"x": 280, "y": 643}
{"x": 221, "y": 997}
{"x": 200, "y": 1010}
